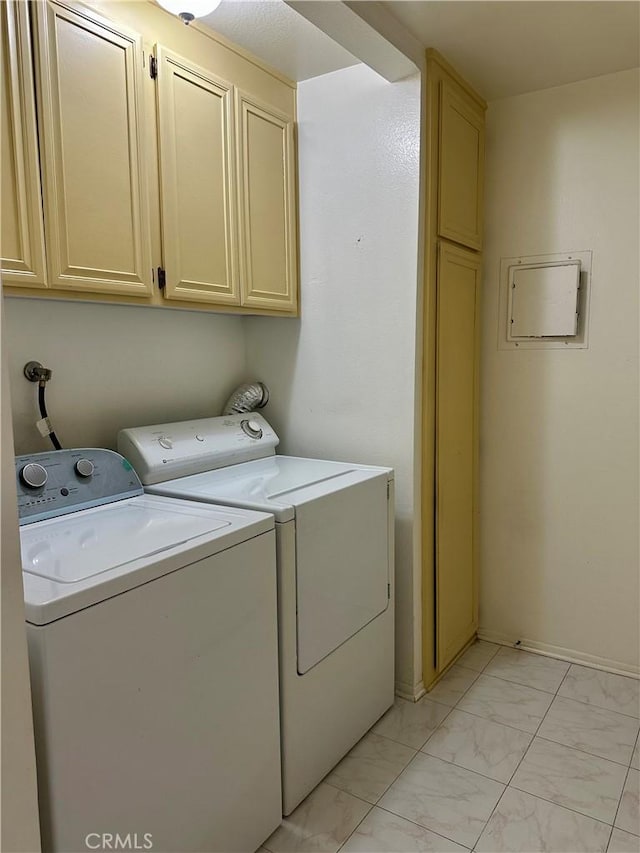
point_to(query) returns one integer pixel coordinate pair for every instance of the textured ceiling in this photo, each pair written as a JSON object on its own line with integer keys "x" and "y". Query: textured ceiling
{"x": 512, "y": 47}
{"x": 503, "y": 47}
{"x": 279, "y": 36}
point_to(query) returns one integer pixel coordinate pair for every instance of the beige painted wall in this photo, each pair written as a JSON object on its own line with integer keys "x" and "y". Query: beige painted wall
{"x": 116, "y": 366}
{"x": 559, "y": 434}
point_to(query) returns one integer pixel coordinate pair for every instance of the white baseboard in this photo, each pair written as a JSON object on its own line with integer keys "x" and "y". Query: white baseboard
{"x": 410, "y": 692}
{"x": 570, "y": 655}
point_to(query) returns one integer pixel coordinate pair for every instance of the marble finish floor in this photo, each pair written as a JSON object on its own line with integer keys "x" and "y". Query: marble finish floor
{"x": 511, "y": 752}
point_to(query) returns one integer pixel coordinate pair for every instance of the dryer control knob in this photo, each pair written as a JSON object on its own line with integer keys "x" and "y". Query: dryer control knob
{"x": 251, "y": 428}
{"x": 84, "y": 467}
{"x": 165, "y": 442}
{"x": 34, "y": 475}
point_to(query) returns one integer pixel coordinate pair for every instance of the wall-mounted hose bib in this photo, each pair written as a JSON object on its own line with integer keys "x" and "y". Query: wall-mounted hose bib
{"x": 247, "y": 398}
{"x": 35, "y": 372}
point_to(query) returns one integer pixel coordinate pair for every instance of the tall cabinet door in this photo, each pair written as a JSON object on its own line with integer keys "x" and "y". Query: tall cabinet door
{"x": 22, "y": 231}
{"x": 196, "y": 134}
{"x": 268, "y": 253}
{"x": 96, "y": 206}
{"x": 461, "y": 166}
{"x": 458, "y": 289}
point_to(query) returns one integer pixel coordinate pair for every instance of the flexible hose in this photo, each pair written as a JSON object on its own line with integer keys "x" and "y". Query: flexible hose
{"x": 247, "y": 398}
{"x": 43, "y": 411}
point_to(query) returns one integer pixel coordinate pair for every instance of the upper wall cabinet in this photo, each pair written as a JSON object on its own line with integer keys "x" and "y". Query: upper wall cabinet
{"x": 461, "y": 166}
{"x": 123, "y": 162}
{"x": 197, "y": 151}
{"x": 95, "y": 193}
{"x": 22, "y": 233}
{"x": 267, "y": 193}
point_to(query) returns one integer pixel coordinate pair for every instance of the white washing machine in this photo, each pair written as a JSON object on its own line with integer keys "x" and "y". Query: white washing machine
{"x": 334, "y": 535}
{"x": 152, "y": 637}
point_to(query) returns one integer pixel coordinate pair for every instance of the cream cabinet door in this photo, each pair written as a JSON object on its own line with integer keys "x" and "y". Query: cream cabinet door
{"x": 461, "y": 167}
{"x": 458, "y": 289}
{"x": 22, "y": 231}
{"x": 267, "y": 194}
{"x": 199, "y": 223}
{"x": 95, "y": 194}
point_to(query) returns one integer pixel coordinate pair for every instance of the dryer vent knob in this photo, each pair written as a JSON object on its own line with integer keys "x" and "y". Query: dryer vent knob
{"x": 251, "y": 428}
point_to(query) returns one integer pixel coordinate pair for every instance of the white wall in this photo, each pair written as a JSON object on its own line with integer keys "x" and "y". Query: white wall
{"x": 116, "y": 366}
{"x": 342, "y": 378}
{"x": 559, "y": 436}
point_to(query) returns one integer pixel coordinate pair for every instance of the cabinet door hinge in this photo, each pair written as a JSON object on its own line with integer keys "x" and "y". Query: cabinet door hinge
{"x": 388, "y": 592}
{"x": 153, "y": 67}
{"x": 388, "y": 490}
{"x": 162, "y": 279}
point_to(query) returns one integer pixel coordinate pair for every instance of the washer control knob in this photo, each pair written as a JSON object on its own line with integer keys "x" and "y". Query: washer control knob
{"x": 84, "y": 467}
{"x": 34, "y": 475}
{"x": 165, "y": 442}
{"x": 251, "y": 428}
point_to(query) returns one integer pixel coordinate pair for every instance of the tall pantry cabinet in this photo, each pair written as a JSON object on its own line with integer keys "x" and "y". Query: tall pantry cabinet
{"x": 156, "y": 187}
{"x": 453, "y": 245}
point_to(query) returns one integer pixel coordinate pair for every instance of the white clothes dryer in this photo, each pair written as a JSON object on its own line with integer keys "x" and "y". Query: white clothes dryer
{"x": 154, "y": 664}
{"x": 334, "y": 535}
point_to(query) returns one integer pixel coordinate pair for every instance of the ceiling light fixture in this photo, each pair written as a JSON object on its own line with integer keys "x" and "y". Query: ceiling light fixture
{"x": 187, "y": 10}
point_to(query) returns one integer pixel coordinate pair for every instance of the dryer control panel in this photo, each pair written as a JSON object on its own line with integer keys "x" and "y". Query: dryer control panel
{"x": 62, "y": 481}
{"x": 168, "y": 451}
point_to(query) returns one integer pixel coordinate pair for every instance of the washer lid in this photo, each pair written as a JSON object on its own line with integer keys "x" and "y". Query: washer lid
{"x": 276, "y": 484}
{"x": 76, "y": 560}
{"x": 89, "y": 543}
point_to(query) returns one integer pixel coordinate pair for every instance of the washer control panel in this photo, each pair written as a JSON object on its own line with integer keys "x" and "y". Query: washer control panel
{"x": 166, "y": 451}
{"x": 61, "y": 481}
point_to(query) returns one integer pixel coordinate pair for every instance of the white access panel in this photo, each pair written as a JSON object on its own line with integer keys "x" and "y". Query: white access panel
{"x": 342, "y": 577}
{"x": 543, "y": 301}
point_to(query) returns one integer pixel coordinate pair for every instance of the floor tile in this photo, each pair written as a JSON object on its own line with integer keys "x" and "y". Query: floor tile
{"x": 382, "y": 832}
{"x": 451, "y": 801}
{"x": 536, "y": 671}
{"x": 320, "y": 824}
{"x": 524, "y": 824}
{"x": 623, "y": 842}
{"x": 635, "y": 761}
{"x": 628, "y": 817}
{"x": 371, "y": 766}
{"x": 574, "y": 779}
{"x": 450, "y": 689}
{"x": 591, "y": 729}
{"x": 478, "y": 655}
{"x": 595, "y": 687}
{"x": 411, "y": 723}
{"x": 478, "y": 744}
{"x": 507, "y": 703}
